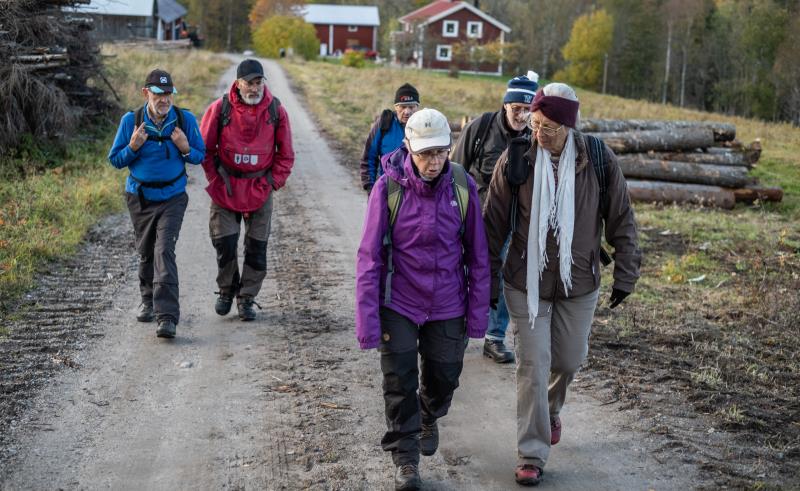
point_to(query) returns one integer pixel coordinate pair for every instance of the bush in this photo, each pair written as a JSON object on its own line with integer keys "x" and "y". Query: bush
{"x": 354, "y": 59}
{"x": 282, "y": 31}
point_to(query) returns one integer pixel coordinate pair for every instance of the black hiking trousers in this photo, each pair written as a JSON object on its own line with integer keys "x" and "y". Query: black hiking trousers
{"x": 156, "y": 225}
{"x": 441, "y": 346}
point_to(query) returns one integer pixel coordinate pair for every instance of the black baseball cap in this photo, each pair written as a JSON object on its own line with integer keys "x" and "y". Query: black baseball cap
{"x": 249, "y": 69}
{"x": 160, "y": 82}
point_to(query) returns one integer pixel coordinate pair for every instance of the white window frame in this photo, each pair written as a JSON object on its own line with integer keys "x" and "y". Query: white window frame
{"x": 453, "y": 34}
{"x": 449, "y": 52}
{"x": 470, "y": 25}
{"x": 352, "y": 28}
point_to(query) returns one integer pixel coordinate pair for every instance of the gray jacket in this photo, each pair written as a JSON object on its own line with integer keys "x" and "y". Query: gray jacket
{"x": 497, "y": 140}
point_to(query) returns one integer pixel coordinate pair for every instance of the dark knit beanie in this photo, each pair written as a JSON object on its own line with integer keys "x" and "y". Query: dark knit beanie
{"x": 522, "y": 89}
{"x": 406, "y": 94}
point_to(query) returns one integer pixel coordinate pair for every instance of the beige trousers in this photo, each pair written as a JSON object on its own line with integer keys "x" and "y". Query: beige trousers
{"x": 547, "y": 358}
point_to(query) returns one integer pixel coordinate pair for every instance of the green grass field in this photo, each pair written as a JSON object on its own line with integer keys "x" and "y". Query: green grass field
{"x": 714, "y": 316}
{"x": 47, "y": 206}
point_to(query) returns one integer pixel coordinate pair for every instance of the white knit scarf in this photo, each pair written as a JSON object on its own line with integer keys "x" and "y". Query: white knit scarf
{"x": 551, "y": 208}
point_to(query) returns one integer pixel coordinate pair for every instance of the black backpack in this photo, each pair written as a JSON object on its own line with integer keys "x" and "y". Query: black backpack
{"x": 475, "y": 152}
{"x": 516, "y": 173}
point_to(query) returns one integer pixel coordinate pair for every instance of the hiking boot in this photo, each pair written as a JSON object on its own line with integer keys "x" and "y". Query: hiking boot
{"x": 224, "y": 303}
{"x": 497, "y": 351}
{"x": 429, "y": 438}
{"x": 555, "y": 430}
{"x": 246, "y": 310}
{"x": 528, "y": 474}
{"x": 146, "y": 313}
{"x": 166, "y": 329}
{"x": 407, "y": 478}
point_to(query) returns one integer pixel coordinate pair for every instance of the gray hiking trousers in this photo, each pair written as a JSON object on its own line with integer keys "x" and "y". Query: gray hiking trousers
{"x": 547, "y": 358}
{"x": 156, "y": 225}
{"x": 224, "y": 226}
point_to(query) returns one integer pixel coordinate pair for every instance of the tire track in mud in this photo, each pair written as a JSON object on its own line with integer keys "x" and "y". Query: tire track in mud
{"x": 56, "y": 320}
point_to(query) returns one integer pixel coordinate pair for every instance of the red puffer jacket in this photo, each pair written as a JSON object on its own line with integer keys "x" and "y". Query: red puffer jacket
{"x": 248, "y": 144}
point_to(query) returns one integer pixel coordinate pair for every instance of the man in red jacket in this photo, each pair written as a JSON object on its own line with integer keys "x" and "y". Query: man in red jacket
{"x": 249, "y": 156}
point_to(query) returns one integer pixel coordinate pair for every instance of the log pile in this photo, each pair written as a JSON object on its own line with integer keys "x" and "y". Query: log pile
{"x": 679, "y": 161}
{"x": 683, "y": 161}
{"x": 47, "y": 60}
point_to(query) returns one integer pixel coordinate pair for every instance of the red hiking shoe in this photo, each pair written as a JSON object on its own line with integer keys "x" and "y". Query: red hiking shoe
{"x": 528, "y": 474}
{"x": 555, "y": 430}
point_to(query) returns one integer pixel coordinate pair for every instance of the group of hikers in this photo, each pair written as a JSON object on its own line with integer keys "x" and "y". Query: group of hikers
{"x": 504, "y": 226}
{"x": 244, "y": 143}
{"x": 501, "y": 228}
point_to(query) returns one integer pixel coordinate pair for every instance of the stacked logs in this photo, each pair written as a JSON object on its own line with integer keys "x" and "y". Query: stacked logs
{"x": 46, "y": 61}
{"x": 683, "y": 161}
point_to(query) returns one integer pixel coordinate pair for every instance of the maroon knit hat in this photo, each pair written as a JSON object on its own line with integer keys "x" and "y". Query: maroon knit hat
{"x": 558, "y": 109}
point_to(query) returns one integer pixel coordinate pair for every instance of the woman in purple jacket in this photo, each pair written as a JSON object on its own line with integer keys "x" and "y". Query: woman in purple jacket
{"x": 421, "y": 286}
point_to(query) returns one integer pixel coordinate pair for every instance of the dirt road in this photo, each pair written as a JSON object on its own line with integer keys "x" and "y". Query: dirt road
{"x": 288, "y": 401}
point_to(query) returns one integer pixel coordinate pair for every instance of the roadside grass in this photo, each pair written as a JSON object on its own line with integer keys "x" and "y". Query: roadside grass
{"x": 715, "y": 314}
{"x": 50, "y": 197}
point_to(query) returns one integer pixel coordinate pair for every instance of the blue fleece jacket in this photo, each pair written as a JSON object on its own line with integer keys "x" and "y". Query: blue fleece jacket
{"x": 391, "y": 141}
{"x": 156, "y": 160}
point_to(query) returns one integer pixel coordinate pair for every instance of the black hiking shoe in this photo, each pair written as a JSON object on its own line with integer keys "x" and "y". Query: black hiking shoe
{"x": 429, "y": 438}
{"x": 224, "y": 303}
{"x": 166, "y": 329}
{"x": 407, "y": 478}
{"x": 246, "y": 310}
{"x": 497, "y": 351}
{"x": 146, "y": 312}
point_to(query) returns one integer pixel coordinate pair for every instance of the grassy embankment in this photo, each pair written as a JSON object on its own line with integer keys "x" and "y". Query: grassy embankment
{"x": 729, "y": 339}
{"x": 49, "y": 198}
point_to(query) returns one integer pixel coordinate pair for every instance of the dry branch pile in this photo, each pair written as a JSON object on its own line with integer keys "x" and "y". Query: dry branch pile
{"x": 683, "y": 161}
{"x": 46, "y": 59}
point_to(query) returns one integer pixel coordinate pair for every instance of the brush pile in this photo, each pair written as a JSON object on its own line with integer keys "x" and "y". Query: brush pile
{"x": 46, "y": 61}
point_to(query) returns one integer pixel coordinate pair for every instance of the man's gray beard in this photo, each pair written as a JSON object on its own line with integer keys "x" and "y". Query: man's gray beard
{"x": 252, "y": 102}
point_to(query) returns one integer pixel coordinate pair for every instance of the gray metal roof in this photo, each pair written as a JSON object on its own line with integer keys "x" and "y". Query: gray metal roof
{"x": 349, "y": 15}
{"x": 169, "y": 10}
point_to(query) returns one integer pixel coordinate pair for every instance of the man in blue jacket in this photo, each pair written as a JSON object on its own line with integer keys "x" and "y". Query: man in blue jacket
{"x": 387, "y": 133}
{"x": 154, "y": 143}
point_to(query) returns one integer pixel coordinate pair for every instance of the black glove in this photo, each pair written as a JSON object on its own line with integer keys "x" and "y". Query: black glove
{"x": 493, "y": 303}
{"x": 617, "y": 296}
{"x": 368, "y": 188}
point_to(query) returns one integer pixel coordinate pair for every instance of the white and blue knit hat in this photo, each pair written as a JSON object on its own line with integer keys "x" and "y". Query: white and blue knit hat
{"x": 522, "y": 89}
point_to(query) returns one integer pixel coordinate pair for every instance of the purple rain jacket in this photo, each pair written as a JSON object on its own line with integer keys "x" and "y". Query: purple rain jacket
{"x": 428, "y": 282}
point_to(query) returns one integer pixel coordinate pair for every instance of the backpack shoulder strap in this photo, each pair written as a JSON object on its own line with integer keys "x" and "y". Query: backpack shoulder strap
{"x": 387, "y": 117}
{"x": 597, "y": 154}
{"x": 394, "y": 198}
{"x": 224, "y": 116}
{"x": 274, "y": 115}
{"x": 476, "y": 151}
{"x": 460, "y": 190}
{"x": 180, "y": 117}
{"x": 138, "y": 116}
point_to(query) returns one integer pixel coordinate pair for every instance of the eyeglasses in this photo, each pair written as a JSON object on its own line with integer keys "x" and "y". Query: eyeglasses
{"x": 536, "y": 126}
{"x": 429, "y": 155}
{"x": 523, "y": 111}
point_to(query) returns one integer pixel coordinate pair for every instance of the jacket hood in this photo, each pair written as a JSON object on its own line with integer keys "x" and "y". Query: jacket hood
{"x": 398, "y": 166}
{"x": 233, "y": 97}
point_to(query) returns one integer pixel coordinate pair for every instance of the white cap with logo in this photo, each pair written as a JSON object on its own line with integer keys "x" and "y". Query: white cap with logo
{"x": 427, "y": 128}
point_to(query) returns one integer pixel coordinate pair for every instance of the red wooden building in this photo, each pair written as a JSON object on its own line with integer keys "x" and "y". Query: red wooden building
{"x": 341, "y": 27}
{"x": 434, "y": 31}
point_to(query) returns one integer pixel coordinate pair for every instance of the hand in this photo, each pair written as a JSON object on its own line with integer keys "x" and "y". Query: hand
{"x": 493, "y": 303}
{"x": 617, "y": 296}
{"x": 179, "y": 139}
{"x": 138, "y": 138}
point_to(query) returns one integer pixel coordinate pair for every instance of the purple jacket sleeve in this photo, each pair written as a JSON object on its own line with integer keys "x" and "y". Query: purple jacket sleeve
{"x": 370, "y": 262}
{"x": 476, "y": 257}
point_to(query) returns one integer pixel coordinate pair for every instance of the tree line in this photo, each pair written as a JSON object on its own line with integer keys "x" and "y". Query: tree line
{"x": 730, "y": 56}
